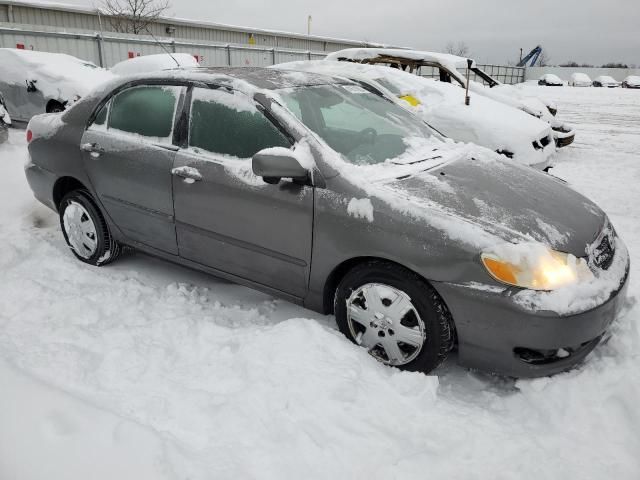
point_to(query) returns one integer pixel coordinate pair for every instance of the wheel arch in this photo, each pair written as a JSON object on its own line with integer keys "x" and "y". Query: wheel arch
{"x": 340, "y": 270}
{"x": 52, "y": 103}
{"x": 64, "y": 185}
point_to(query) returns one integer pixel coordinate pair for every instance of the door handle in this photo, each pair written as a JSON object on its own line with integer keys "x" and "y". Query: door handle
{"x": 93, "y": 148}
{"x": 188, "y": 174}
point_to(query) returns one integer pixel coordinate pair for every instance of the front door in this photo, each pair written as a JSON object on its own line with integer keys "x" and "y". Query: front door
{"x": 129, "y": 155}
{"x": 226, "y": 217}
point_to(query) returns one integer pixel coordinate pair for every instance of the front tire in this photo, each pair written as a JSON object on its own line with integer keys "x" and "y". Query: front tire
{"x": 85, "y": 229}
{"x": 395, "y": 314}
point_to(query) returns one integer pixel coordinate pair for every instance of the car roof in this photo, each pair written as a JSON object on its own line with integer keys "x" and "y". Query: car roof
{"x": 257, "y": 77}
{"x": 415, "y": 55}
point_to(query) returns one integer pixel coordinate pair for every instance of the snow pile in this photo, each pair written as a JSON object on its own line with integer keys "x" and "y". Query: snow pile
{"x": 361, "y": 208}
{"x": 154, "y": 63}
{"x": 147, "y": 370}
{"x": 56, "y": 75}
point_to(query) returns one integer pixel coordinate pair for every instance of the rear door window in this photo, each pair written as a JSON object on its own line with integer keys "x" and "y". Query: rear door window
{"x": 146, "y": 111}
{"x": 229, "y": 123}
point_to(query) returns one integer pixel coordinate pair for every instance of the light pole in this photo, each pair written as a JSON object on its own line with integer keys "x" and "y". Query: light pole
{"x": 309, "y": 25}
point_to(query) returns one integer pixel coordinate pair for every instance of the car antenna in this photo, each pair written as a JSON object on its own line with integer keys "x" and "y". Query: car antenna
{"x": 467, "y": 99}
{"x": 162, "y": 46}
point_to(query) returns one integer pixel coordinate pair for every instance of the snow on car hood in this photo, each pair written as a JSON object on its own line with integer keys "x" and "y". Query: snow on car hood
{"x": 486, "y": 121}
{"x": 633, "y": 80}
{"x": 509, "y": 201}
{"x": 56, "y": 75}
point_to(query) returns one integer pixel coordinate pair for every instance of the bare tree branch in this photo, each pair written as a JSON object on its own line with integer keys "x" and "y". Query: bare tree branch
{"x": 133, "y": 16}
{"x": 461, "y": 49}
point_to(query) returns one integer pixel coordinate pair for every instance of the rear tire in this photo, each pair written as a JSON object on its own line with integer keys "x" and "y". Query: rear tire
{"x": 85, "y": 229}
{"x": 426, "y": 313}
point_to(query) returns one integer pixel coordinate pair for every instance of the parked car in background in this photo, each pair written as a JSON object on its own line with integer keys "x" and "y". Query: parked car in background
{"x": 37, "y": 82}
{"x": 550, "y": 80}
{"x": 452, "y": 69}
{"x": 485, "y": 122}
{"x": 316, "y": 190}
{"x": 154, "y": 63}
{"x": 632, "y": 81}
{"x": 605, "y": 81}
{"x": 580, "y": 80}
{"x": 5, "y": 121}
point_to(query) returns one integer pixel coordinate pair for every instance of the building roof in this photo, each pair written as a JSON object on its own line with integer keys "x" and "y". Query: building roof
{"x": 65, "y": 7}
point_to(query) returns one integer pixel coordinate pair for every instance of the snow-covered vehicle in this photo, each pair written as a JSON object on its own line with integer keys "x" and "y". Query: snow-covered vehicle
{"x": 632, "y": 81}
{"x": 580, "y": 80}
{"x": 5, "y": 121}
{"x": 37, "y": 82}
{"x": 154, "y": 63}
{"x": 484, "y": 121}
{"x": 550, "y": 80}
{"x": 315, "y": 189}
{"x": 605, "y": 81}
{"x": 453, "y": 69}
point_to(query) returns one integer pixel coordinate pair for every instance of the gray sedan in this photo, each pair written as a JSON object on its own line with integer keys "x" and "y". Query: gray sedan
{"x": 316, "y": 190}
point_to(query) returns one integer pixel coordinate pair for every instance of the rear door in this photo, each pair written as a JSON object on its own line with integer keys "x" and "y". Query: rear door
{"x": 129, "y": 154}
{"x": 226, "y": 217}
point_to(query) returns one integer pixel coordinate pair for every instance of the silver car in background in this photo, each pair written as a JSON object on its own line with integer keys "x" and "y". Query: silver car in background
{"x": 35, "y": 82}
{"x": 316, "y": 190}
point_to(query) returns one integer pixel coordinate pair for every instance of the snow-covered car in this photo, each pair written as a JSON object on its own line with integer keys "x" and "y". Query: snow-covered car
{"x": 605, "y": 81}
{"x": 485, "y": 122}
{"x": 632, "y": 81}
{"x": 37, "y": 82}
{"x": 550, "y": 80}
{"x": 580, "y": 80}
{"x": 314, "y": 189}
{"x": 452, "y": 69}
{"x": 154, "y": 63}
{"x": 5, "y": 121}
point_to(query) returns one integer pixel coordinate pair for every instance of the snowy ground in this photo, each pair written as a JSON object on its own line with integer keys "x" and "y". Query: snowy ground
{"x": 147, "y": 370}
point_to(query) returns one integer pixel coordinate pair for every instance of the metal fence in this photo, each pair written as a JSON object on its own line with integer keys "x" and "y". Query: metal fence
{"x": 109, "y": 49}
{"x": 502, "y": 73}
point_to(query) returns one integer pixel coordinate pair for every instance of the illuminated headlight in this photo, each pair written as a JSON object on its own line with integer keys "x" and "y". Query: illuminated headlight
{"x": 535, "y": 266}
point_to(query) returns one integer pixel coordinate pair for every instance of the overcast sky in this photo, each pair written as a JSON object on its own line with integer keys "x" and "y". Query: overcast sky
{"x": 591, "y": 31}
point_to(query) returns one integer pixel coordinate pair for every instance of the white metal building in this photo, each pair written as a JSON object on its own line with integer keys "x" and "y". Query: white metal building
{"x": 86, "y": 33}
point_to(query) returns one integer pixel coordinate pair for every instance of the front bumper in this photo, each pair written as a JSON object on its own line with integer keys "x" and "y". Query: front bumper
{"x": 497, "y": 335}
{"x": 563, "y": 135}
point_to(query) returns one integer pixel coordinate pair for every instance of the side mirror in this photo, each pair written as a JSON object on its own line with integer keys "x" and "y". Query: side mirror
{"x": 273, "y": 164}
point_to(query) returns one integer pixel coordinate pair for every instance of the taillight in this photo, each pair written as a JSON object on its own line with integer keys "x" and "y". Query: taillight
{"x": 29, "y": 136}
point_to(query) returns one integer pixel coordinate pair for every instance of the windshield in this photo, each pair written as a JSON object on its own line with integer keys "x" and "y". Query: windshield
{"x": 364, "y": 128}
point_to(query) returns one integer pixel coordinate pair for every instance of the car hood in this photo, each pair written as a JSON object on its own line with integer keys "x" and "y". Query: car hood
{"x": 509, "y": 201}
{"x": 485, "y": 121}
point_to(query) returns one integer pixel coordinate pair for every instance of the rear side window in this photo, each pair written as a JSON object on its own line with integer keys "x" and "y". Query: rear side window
{"x": 229, "y": 123}
{"x": 146, "y": 110}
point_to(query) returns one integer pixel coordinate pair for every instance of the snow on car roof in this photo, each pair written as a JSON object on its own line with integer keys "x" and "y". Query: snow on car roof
{"x": 606, "y": 78}
{"x": 450, "y": 61}
{"x": 151, "y": 63}
{"x": 580, "y": 76}
{"x": 57, "y": 75}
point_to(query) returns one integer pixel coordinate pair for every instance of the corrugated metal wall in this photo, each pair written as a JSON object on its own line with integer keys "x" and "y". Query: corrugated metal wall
{"x": 91, "y": 22}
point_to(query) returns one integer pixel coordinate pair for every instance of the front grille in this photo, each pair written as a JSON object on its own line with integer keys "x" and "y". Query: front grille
{"x": 602, "y": 251}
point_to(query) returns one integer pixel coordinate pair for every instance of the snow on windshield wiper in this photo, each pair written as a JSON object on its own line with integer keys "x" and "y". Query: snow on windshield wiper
{"x": 418, "y": 161}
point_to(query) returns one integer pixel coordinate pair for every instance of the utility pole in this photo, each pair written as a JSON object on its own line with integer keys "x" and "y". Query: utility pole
{"x": 520, "y": 55}
{"x": 309, "y": 25}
